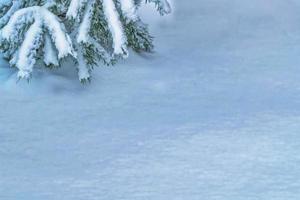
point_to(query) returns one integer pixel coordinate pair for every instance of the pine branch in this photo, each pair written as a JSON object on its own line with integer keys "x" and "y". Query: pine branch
{"x": 89, "y": 31}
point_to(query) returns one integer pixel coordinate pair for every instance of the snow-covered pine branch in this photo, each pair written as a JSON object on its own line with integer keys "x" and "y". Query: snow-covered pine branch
{"x": 9, "y": 7}
{"x": 163, "y": 6}
{"x": 89, "y": 31}
{"x": 39, "y": 20}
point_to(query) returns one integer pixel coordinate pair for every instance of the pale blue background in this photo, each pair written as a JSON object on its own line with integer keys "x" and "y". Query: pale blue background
{"x": 213, "y": 114}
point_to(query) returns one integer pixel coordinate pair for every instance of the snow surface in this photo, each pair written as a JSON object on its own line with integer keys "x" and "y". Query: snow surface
{"x": 213, "y": 114}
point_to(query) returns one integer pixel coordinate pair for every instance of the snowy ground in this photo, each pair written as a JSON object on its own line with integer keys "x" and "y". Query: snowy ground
{"x": 214, "y": 114}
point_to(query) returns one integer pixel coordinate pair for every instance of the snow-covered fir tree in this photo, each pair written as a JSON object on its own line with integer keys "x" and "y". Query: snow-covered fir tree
{"x": 88, "y": 31}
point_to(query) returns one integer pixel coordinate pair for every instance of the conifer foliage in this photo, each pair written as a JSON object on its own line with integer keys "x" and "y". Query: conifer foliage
{"x": 87, "y": 31}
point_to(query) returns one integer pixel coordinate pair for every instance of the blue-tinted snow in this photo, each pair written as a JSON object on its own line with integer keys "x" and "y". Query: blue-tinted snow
{"x": 213, "y": 114}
